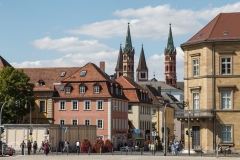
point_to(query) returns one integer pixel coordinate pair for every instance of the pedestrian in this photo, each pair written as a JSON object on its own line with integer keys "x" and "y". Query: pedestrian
{"x": 34, "y": 147}
{"x": 173, "y": 149}
{"x": 29, "y": 146}
{"x": 65, "y": 145}
{"x": 47, "y": 149}
{"x": 77, "y": 146}
{"x": 176, "y": 144}
{"x": 22, "y": 147}
{"x": 42, "y": 146}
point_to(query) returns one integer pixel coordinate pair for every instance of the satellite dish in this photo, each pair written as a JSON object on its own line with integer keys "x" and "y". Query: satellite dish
{"x": 137, "y": 131}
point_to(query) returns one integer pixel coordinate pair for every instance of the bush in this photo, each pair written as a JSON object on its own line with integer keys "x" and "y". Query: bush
{"x": 98, "y": 143}
{"x": 85, "y": 144}
{"x": 108, "y": 145}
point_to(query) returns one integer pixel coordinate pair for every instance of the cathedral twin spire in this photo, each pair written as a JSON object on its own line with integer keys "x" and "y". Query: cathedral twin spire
{"x": 125, "y": 62}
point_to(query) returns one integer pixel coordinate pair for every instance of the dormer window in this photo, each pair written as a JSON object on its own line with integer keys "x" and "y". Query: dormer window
{"x": 96, "y": 89}
{"x": 82, "y": 89}
{"x": 225, "y": 33}
{"x": 41, "y": 83}
{"x": 68, "y": 90}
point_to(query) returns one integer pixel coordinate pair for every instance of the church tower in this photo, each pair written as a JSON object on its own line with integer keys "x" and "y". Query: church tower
{"x": 128, "y": 56}
{"x": 142, "y": 69}
{"x": 119, "y": 66}
{"x": 170, "y": 61}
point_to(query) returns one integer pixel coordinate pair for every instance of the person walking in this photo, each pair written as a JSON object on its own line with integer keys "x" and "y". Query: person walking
{"x": 173, "y": 149}
{"x": 42, "y": 145}
{"x": 22, "y": 145}
{"x": 176, "y": 144}
{"x": 77, "y": 146}
{"x": 29, "y": 146}
{"x": 34, "y": 147}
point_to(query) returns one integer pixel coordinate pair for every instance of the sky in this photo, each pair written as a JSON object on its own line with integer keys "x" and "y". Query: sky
{"x": 60, "y": 33}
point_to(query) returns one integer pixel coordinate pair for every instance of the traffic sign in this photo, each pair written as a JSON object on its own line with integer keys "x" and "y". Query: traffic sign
{"x": 154, "y": 133}
{"x": 137, "y": 131}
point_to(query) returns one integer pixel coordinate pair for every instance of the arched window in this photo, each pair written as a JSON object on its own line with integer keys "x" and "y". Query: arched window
{"x": 170, "y": 81}
{"x": 170, "y": 58}
{"x": 128, "y": 68}
{"x": 125, "y": 67}
{"x": 170, "y": 68}
{"x": 128, "y": 57}
{"x": 125, "y": 57}
{"x": 166, "y": 68}
{"x": 142, "y": 75}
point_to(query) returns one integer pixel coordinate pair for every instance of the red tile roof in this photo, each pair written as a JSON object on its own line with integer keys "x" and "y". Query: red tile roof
{"x": 131, "y": 89}
{"x": 214, "y": 30}
{"x": 48, "y": 75}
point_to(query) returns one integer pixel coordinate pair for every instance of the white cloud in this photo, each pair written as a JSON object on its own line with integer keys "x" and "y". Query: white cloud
{"x": 153, "y": 21}
{"x": 70, "y": 44}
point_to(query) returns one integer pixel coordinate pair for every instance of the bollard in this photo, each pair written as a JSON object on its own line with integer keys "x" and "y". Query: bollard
{"x": 101, "y": 151}
{"x": 121, "y": 150}
{"x": 67, "y": 151}
{"x": 112, "y": 151}
{"x": 126, "y": 151}
{"x": 202, "y": 151}
{"x": 131, "y": 150}
{"x": 154, "y": 151}
{"x": 57, "y": 150}
{"x": 141, "y": 151}
{"x": 89, "y": 151}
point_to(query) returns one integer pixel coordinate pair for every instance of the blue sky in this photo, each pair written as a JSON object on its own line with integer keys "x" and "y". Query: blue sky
{"x": 61, "y": 33}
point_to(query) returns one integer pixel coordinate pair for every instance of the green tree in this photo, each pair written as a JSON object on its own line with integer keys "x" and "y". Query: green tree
{"x": 14, "y": 85}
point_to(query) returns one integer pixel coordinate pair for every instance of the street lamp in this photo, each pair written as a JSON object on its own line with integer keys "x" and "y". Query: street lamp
{"x": 30, "y": 115}
{"x": 17, "y": 102}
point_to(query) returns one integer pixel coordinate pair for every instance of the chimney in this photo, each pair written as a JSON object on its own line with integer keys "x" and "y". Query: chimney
{"x": 102, "y": 66}
{"x": 159, "y": 90}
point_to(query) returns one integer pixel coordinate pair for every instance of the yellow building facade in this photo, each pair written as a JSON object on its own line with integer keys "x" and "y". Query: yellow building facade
{"x": 211, "y": 76}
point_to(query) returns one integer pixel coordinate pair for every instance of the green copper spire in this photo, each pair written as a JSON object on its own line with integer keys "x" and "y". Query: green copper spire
{"x": 128, "y": 43}
{"x": 170, "y": 45}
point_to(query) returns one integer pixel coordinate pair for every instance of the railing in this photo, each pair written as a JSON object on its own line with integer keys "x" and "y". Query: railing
{"x": 193, "y": 113}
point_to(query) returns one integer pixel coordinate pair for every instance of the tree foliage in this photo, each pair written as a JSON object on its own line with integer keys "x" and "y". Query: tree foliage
{"x": 14, "y": 85}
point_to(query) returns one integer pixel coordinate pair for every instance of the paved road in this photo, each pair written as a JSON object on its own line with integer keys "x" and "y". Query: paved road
{"x": 116, "y": 156}
{"x": 108, "y": 157}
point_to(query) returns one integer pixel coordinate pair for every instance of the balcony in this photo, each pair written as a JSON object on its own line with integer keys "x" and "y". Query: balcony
{"x": 193, "y": 113}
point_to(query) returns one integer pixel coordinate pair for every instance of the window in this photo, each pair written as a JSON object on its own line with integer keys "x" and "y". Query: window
{"x": 196, "y": 104}
{"x": 62, "y": 105}
{"x": 87, "y": 105}
{"x": 143, "y": 75}
{"x": 63, "y": 74}
{"x": 120, "y": 123}
{"x": 62, "y": 122}
{"x": 82, "y": 89}
{"x": 116, "y": 123}
{"x": 99, "y": 104}
{"x": 117, "y": 109}
{"x": 226, "y": 100}
{"x": 129, "y": 108}
{"x": 83, "y": 73}
{"x": 74, "y": 122}
{"x": 96, "y": 89}
{"x": 99, "y": 124}
{"x": 67, "y": 90}
{"x": 113, "y": 124}
{"x": 116, "y": 91}
{"x": 74, "y": 105}
{"x": 121, "y": 91}
{"x": 226, "y": 65}
{"x": 195, "y": 67}
{"x": 226, "y": 133}
{"x": 87, "y": 122}
{"x": 62, "y": 88}
{"x": 154, "y": 111}
{"x": 111, "y": 88}
{"x": 42, "y": 107}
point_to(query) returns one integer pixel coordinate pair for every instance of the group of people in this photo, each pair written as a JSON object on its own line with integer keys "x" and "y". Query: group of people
{"x": 175, "y": 148}
{"x": 45, "y": 146}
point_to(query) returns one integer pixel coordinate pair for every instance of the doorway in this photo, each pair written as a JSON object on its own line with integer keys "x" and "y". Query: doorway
{"x": 196, "y": 137}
